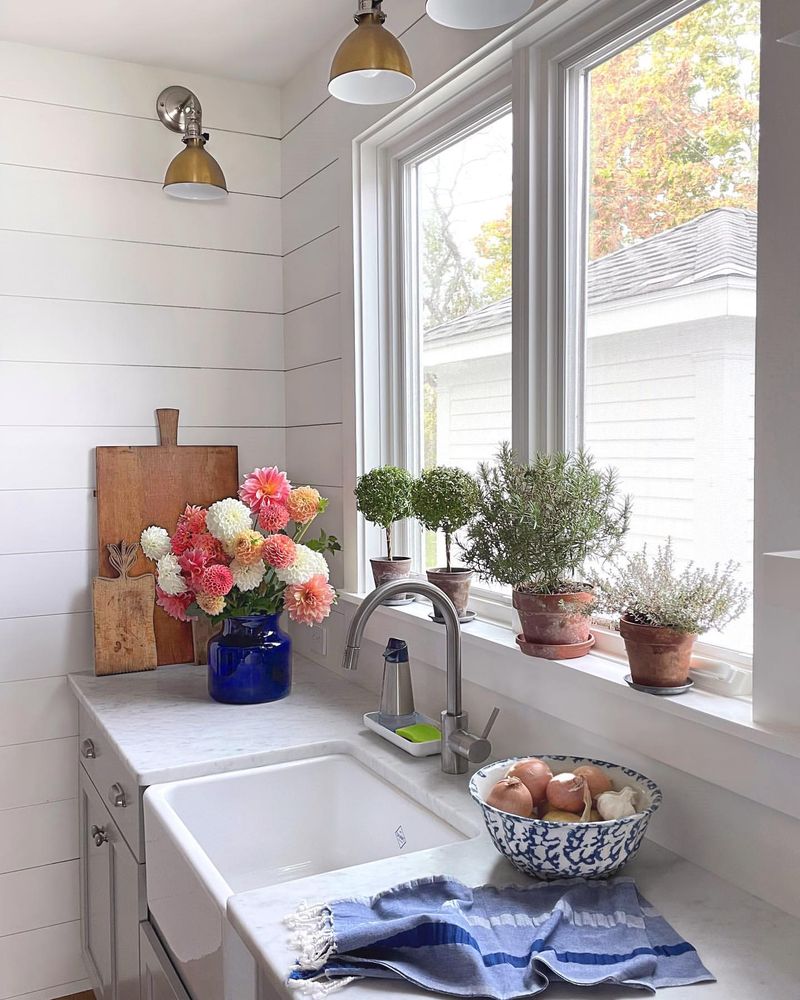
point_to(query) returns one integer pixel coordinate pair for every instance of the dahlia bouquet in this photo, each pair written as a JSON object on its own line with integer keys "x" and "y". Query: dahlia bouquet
{"x": 246, "y": 556}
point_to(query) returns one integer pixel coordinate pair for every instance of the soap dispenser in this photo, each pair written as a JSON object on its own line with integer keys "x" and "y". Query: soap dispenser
{"x": 397, "y": 694}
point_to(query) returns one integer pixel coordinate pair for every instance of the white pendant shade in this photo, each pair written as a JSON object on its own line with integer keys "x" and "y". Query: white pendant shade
{"x": 477, "y": 13}
{"x": 372, "y": 86}
{"x": 191, "y": 191}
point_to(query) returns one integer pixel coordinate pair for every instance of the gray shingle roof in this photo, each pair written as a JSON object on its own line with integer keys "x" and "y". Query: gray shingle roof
{"x": 721, "y": 243}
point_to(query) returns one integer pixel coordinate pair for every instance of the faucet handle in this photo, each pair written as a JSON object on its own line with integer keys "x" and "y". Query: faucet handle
{"x": 489, "y": 725}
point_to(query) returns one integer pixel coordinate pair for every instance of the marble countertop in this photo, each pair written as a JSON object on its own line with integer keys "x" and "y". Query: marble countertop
{"x": 166, "y": 728}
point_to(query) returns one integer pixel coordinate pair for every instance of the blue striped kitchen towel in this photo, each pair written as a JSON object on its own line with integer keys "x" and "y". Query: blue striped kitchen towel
{"x": 486, "y": 942}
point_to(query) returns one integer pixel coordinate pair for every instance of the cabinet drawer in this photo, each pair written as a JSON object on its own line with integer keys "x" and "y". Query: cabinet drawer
{"x": 114, "y": 782}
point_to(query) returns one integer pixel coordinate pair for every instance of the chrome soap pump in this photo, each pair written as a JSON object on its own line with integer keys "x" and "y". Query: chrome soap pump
{"x": 397, "y": 694}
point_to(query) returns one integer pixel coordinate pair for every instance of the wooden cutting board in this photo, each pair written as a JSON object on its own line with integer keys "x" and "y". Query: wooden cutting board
{"x": 124, "y": 635}
{"x": 140, "y": 486}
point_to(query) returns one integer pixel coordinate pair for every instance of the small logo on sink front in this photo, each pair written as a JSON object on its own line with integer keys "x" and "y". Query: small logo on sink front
{"x": 400, "y": 837}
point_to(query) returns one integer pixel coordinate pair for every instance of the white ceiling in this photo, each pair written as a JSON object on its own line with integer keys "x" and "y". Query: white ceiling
{"x": 266, "y": 41}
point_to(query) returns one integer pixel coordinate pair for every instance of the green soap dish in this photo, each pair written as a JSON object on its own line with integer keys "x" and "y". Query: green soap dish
{"x": 420, "y": 732}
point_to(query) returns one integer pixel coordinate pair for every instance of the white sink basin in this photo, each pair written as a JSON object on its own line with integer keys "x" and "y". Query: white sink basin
{"x": 209, "y": 838}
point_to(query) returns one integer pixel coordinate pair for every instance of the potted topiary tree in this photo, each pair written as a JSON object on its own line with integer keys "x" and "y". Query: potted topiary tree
{"x": 663, "y": 610}
{"x": 537, "y": 526}
{"x": 445, "y": 499}
{"x": 383, "y": 496}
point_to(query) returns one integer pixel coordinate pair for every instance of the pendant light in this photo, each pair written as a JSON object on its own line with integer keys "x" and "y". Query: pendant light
{"x": 371, "y": 66}
{"x": 477, "y": 13}
{"x": 194, "y": 174}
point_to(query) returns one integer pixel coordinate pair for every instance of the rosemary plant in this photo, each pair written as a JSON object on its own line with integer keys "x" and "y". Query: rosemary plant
{"x": 537, "y": 526}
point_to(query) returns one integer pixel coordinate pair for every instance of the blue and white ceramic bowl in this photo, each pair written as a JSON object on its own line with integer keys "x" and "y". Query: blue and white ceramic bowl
{"x": 567, "y": 850}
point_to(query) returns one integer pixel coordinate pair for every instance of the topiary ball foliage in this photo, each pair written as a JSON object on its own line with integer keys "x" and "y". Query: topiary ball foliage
{"x": 444, "y": 498}
{"x": 383, "y": 496}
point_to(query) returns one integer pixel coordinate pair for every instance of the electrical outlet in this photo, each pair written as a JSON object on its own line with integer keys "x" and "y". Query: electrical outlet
{"x": 318, "y": 640}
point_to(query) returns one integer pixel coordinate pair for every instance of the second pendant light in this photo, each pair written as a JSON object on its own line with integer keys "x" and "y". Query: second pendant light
{"x": 477, "y": 13}
{"x": 371, "y": 66}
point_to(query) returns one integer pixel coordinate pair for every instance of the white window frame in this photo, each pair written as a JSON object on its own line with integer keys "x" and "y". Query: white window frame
{"x": 543, "y": 68}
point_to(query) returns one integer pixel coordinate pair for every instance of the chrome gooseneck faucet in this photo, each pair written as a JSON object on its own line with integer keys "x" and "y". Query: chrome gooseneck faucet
{"x": 459, "y": 747}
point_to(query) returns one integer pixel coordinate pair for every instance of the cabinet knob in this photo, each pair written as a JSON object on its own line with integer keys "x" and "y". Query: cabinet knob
{"x": 116, "y": 796}
{"x": 100, "y": 835}
{"x": 87, "y": 750}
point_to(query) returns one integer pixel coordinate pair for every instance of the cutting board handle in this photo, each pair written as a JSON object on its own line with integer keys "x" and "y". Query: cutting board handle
{"x": 168, "y": 426}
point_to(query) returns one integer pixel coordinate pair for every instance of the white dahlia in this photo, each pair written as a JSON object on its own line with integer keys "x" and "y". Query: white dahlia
{"x": 307, "y": 563}
{"x": 228, "y": 518}
{"x": 169, "y": 575}
{"x": 247, "y": 577}
{"x": 155, "y": 542}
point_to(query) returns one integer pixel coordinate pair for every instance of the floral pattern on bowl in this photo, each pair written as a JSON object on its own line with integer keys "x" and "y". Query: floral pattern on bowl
{"x": 550, "y": 850}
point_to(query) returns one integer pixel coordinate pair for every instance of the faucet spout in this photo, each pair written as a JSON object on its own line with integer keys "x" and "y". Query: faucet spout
{"x": 459, "y": 747}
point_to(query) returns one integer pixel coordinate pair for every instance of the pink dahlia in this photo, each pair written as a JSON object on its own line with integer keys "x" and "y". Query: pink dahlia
{"x": 279, "y": 551}
{"x": 175, "y": 606}
{"x": 194, "y": 518}
{"x": 273, "y": 517}
{"x": 264, "y": 487}
{"x": 309, "y": 603}
{"x": 217, "y": 581}
{"x": 182, "y": 540}
{"x": 193, "y": 563}
{"x": 211, "y": 547}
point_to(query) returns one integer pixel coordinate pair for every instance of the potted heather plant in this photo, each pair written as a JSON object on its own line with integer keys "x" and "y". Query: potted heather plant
{"x": 444, "y": 499}
{"x": 383, "y": 496}
{"x": 663, "y": 610}
{"x": 536, "y": 528}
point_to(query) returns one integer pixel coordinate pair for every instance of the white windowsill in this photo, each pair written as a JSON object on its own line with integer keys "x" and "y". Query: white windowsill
{"x": 729, "y": 715}
{"x": 705, "y": 734}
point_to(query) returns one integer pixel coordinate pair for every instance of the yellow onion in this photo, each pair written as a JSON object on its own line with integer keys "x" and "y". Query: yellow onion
{"x": 534, "y": 775}
{"x": 561, "y": 816}
{"x": 596, "y": 778}
{"x": 511, "y": 796}
{"x": 566, "y": 791}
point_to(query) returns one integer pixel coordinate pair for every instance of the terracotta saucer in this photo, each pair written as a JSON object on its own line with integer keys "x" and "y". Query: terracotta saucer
{"x": 568, "y": 651}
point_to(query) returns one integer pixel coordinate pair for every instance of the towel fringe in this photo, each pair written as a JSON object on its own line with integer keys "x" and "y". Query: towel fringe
{"x": 321, "y": 986}
{"x": 313, "y": 937}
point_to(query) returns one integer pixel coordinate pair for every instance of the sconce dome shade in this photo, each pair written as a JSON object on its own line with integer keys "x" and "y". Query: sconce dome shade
{"x": 472, "y": 14}
{"x": 194, "y": 174}
{"x": 371, "y": 66}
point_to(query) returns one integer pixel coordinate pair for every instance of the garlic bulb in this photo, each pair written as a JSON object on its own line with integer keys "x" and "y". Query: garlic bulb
{"x": 617, "y": 805}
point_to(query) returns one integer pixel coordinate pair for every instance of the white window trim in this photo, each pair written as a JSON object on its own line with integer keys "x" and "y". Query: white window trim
{"x": 541, "y": 60}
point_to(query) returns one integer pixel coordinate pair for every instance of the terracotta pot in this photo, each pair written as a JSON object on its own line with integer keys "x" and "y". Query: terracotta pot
{"x": 455, "y": 583}
{"x": 545, "y": 622}
{"x": 659, "y": 657}
{"x": 388, "y": 570}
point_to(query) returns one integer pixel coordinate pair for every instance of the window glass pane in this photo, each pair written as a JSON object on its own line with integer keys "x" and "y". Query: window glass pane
{"x": 464, "y": 308}
{"x": 671, "y": 284}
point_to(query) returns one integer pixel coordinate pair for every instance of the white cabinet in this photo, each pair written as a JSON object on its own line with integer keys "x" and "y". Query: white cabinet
{"x": 111, "y": 900}
{"x": 159, "y": 979}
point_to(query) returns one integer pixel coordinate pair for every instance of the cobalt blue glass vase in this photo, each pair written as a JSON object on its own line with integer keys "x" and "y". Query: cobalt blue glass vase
{"x": 250, "y": 661}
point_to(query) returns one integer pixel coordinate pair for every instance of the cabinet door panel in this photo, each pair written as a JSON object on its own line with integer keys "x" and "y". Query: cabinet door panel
{"x": 159, "y": 979}
{"x": 111, "y": 900}
{"x": 96, "y": 890}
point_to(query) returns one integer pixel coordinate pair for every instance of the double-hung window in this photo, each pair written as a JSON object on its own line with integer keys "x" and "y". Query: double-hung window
{"x": 578, "y": 269}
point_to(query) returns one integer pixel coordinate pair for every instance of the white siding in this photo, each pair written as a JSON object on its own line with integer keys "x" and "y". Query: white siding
{"x": 114, "y": 300}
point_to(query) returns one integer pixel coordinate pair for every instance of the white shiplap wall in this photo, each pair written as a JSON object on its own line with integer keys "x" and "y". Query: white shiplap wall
{"x": 114, "y": 300}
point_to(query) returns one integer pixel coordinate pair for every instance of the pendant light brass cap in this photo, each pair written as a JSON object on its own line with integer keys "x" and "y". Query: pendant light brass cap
{"x": 371, "y": 66}
{"x": 195, "y": 174}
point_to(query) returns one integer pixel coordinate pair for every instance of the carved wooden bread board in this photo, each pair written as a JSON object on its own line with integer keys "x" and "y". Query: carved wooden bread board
{"x": 124, "y": 634}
